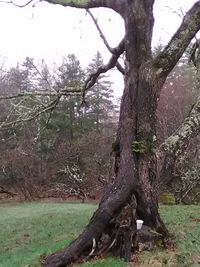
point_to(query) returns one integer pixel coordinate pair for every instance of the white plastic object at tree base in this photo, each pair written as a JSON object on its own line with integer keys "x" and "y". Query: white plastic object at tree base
{"x": 139, "y": 224}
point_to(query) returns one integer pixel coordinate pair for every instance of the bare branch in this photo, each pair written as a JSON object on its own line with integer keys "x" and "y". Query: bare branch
{"x": 68, "y": 91}
{"x": 84, "y": 3}
{"x": 120, "y": 68}
{"x": 100, "y": 32}
{"x": 13, "y": 3}
{"x": 112, "y": 50}
{"x": 168, "y": 58}
{"x": 179, "y": 13}
{"x": 91, "y": 80}
{"x": 111, "y": 64}
{"x": 52, "y": 105}
{"x": 63, "y": 92}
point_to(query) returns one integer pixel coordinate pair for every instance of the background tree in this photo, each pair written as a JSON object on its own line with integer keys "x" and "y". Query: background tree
{"x": 54, "y": 143}
{"x": 100, "y": 96}
{"x": 70, "y": 75}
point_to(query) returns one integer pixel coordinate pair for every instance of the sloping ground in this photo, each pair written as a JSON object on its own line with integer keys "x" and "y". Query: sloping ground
{"x": 28, "y": 231}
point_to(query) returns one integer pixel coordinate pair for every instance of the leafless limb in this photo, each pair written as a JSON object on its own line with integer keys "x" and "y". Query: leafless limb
{"x": 112, "y": 63}
{"x": 63, "y": 92}
{"x": 180, "y": 13}
{"x": 110, "y": 49}
{"x": 91, "y": 80}
{"x": 51, "y": 106}
{"x": 13, "y": 3}
{"x": 120, "y": 68}
{"x": 85, "y": 4}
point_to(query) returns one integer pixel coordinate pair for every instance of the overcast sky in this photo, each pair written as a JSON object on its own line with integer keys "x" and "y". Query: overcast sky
{"x": 50, "y": 31}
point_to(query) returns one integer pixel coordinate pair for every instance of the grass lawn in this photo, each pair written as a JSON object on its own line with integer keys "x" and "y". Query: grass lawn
{"x": 30, "y": 230}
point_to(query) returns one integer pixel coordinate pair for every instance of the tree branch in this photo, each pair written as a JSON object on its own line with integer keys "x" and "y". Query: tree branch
{"x": 168, "y": 58}
{"x": 110, "y": 49}
{"x": 91, "y": 80}
{"x": 34, "y": 115}
{"x": 13, "y": 3}
{"x": 63, "y": 92}
{"x": 84, "y": 3}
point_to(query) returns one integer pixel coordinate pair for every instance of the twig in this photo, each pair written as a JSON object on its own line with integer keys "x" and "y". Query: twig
{"x": 13, "y": 3}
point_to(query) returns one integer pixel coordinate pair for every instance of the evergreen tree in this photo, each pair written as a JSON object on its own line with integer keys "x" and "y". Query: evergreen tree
{"x": 70, "y": 76}
{"x": 100, "y": 96}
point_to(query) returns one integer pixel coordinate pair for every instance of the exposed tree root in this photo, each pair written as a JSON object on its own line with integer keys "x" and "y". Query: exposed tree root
{"x": 118, "y": 237}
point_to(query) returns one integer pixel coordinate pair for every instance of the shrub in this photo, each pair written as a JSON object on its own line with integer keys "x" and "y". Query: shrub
{"x": 167, "y": 199}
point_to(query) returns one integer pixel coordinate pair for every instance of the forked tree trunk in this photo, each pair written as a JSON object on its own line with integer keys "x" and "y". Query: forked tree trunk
{"x": 133, "y": 191}
{"x": 136, "y": 162}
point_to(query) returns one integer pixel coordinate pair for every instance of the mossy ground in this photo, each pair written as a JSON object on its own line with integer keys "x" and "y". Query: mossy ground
{"x": 31, "y": 230}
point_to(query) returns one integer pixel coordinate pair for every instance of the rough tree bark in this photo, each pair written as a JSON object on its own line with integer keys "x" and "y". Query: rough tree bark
{"x": 134, "y": 190}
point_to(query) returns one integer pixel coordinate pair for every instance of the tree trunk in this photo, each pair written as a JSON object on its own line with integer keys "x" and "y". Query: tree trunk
{"x": 135, "y": 168}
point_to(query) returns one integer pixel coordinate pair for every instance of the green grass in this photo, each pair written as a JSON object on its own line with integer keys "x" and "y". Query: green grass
{"x": 30, "y": 230}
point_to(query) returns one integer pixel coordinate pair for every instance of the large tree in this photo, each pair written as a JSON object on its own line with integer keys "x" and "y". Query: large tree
{"x": 132, "y": 191}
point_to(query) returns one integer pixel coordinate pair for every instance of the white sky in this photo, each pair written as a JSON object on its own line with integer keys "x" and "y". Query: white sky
{"x": 50, "y": 31}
